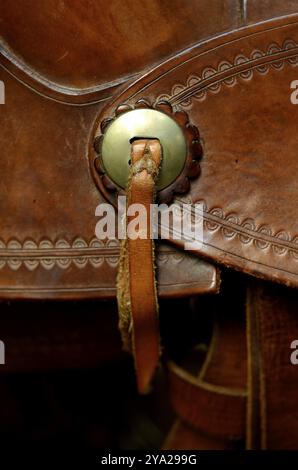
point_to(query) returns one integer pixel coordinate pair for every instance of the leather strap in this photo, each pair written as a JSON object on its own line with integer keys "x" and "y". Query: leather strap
{"x": 255, "y": 375}
{"x": 214, "y": 402}
{"x": 273, "y": 379}
{"x": 136, "y": 286}
{"x": 217, "y": 411}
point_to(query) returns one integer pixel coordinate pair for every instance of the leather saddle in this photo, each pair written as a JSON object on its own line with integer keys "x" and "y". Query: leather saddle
{"x": 72, "y": 71}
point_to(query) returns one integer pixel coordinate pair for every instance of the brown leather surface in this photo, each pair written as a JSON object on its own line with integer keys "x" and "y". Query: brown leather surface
{"x": 214, "y": 401}
{"x": 214, "y": 410}
{"x": 255, "y": 10}
{"x": 48, "y": 247}
{"x": 209, "y": 415}
{"x": 249, "y": 199}
{"x": 81, "y": 51}
{"x": 236, "y": 90}
{"x": 274, "y": 311}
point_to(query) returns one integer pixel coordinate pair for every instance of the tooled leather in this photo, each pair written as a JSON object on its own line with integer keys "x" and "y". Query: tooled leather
{"x": 250, "y": 227}
{"x": 248, "y": 173}
{"x": 137, "y": 293}
{"x": 48, "y": 248}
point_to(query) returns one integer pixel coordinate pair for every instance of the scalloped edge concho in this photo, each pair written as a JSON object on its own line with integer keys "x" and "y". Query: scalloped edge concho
{"x": 190, "y": 170}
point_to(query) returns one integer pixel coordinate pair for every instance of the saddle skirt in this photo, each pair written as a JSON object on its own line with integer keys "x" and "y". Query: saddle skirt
{"x": 236, "y": 88}
{"x": 67, "y": 71}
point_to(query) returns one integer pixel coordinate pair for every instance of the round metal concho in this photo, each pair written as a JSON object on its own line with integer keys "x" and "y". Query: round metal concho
{"x": 143, "y": 123}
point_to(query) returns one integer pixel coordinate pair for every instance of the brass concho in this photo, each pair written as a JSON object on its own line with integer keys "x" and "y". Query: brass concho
{"x": 143, "y": 123}
{"x": 179, "y": 140}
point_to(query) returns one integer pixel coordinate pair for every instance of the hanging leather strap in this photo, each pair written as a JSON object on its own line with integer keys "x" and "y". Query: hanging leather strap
{"x": 136, "y": 286}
